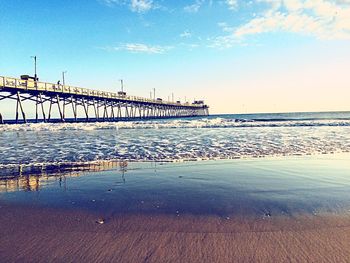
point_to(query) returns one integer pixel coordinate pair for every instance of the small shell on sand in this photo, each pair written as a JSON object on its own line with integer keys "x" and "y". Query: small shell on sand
{"x": 100, "y": 221}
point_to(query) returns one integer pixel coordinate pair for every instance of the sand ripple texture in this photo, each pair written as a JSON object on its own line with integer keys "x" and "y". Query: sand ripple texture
{"x": 170, "y": 140}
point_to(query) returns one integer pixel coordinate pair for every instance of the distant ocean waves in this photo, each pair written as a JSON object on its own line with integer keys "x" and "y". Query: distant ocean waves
{"x": 178, "y": 123}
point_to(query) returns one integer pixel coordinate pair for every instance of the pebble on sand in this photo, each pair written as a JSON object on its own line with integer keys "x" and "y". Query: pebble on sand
{"x": 267, "y": 215}
{"x": 100, "y": 221}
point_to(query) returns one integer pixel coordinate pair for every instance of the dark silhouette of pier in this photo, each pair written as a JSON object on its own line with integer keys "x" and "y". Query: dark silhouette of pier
{"x": 95, "y": 105}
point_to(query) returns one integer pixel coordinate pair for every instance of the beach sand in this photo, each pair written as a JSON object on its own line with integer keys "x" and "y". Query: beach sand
{"x": 33, "y": 234}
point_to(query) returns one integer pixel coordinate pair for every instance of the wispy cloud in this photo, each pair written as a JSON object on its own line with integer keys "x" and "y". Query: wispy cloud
{"x": 318, "y": 18}
{"x": 138, "y": 6}
{"x": 328, "y": 20}
{"x": 141, "y": 6}
{"x": 194, "y": 8}
{"x": 139, "y": 48}
{"x": 111, "y": 2}
{"x": 232, "y": 4}
{"x": 225, "y": 27}
{"x": 186, "y": 34}
{"x": 223, "y": 42}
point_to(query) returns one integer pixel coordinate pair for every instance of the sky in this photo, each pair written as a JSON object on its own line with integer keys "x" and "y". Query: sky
{"x": 239, "y": 56}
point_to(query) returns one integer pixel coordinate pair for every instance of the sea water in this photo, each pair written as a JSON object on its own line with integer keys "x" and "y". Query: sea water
{"x": 202, "y": 138}
{"x": 303, "y": 165}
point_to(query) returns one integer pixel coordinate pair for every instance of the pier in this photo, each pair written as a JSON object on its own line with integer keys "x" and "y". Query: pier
{"x": 95, "y": 105}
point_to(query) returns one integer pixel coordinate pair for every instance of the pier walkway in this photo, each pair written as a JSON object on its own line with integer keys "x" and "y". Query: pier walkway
{"x": 94, "y": 105}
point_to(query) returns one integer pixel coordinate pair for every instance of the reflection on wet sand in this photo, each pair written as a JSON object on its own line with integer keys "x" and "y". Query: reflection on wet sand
{"x": 35, "y": 178}
{"x": 262, "y": 188}
{"x": 242, "y": 210}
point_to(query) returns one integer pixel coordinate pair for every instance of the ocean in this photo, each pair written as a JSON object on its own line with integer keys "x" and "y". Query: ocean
{"x": 229, "y": 136}
{"x": 226, "y": 166}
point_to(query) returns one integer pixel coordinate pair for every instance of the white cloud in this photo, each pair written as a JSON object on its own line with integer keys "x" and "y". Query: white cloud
{"x": 223, "y": 42}
{"x": 232, "y": 4}
{"x": 189, "y": 46}
{"x": 139, "y": 48}
{"x": 194, "y": 8}
{"x": 318, "y": 18}
{"x": 141, "y": 6}
{"x": 185, "y": 34}
{"x": 110, "y": 2}
{"x": 138, "y": 6}
{"x": 344, "y": 2}
{"x": 297, "y": 23}
{"x": 225, "y": 27}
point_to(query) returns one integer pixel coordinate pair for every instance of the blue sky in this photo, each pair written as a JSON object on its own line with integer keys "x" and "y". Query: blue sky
{"x": 240, "y": 56}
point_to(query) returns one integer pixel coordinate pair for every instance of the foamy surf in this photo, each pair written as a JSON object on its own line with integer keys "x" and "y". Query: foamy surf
{"x": 171, "y": 124}
{"x": 173, "y": 140}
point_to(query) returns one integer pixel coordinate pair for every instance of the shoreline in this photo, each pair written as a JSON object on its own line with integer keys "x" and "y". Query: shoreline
{"x": 53, "y": 168}
{"x": 58, "y": 235}
{"x": 293, "y": 209}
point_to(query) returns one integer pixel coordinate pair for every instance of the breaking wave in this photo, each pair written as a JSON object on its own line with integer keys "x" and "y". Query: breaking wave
{"x": 61, "y": 145}
{"x": 177, "y": 123}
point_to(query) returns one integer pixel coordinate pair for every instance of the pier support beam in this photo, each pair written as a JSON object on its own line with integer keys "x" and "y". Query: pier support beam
{"x": 19, "y": 105}
{"x": 59, "y": 108}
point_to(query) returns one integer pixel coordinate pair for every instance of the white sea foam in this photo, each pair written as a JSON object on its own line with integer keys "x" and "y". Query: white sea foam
{"x": 169, "y": 140}
{"x": 167, "y": 124}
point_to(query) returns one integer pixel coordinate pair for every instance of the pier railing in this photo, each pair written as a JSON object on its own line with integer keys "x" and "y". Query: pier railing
{"x": 20, "y": 84}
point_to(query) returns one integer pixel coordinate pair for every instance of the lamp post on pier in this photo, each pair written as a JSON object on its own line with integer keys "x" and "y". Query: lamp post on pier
{"x": 63, "y": 79}
{"x": 35, "y": 75}
{"x": 122, "y": 84}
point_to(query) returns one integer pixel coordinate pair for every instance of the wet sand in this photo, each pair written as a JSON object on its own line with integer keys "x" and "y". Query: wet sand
{"x": 31, "y": 234}
{"x": 261, "y": 210}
